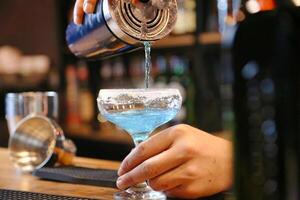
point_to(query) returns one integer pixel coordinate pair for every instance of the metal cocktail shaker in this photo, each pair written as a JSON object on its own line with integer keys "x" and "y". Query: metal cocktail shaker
{"x": 118, "y": 26}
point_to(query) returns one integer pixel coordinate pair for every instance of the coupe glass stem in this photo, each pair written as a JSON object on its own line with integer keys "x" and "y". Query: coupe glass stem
{"x": 143, "y": 185}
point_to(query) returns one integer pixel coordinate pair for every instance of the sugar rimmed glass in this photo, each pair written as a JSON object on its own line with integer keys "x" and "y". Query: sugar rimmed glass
{"x": 139, "y": 112}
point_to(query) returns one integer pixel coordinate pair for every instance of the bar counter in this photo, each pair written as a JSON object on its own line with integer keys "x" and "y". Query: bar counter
{"x": 11, "y": 178}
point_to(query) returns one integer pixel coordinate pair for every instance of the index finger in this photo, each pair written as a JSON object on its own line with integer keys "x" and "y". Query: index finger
{"x": 78, "y": 12}
{"x": 152, "y": 167}
{"x": 154, "y": 145}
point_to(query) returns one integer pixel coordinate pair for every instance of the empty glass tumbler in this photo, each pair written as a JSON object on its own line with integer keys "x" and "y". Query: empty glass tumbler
{"x": 20, "y": 105}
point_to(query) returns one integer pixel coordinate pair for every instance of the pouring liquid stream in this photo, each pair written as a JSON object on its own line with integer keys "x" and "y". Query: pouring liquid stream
{"x": 147, "y": 47}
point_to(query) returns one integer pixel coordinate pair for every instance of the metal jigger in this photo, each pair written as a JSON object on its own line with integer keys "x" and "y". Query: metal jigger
{"x": 39, "y": 141}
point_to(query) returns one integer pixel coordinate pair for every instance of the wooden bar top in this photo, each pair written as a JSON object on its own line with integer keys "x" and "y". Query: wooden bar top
{"x": 12, "y": 178}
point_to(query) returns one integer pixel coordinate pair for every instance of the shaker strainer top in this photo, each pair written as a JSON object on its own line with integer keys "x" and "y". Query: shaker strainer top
{"x": 145, "y": 20}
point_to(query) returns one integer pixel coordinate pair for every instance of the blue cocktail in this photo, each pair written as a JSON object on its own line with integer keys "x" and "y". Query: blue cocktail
{"x": 139, "y": 112}
{"x": 140, "y": 123}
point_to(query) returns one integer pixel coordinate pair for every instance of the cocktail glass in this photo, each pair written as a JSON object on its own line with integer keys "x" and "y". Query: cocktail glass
{"x": 139, "y": 112}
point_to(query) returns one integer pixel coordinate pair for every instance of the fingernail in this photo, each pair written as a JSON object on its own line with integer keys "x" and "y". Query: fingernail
{"x": 120, "y": 183}
{"x": 88, "y": 8}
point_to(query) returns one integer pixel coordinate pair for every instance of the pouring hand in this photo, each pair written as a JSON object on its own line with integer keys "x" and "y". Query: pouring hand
{"x": 81, "y": 7}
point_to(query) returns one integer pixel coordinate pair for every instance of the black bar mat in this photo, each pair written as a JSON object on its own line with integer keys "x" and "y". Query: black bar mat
{"x": 20, "y": 195}
{"x": 79, "y": 175}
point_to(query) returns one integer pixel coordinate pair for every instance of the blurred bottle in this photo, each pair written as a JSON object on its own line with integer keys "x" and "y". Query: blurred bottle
{"x": 72, "y": 94}
{"x": 162, "y": 78}
{"x": 180, "y": 78}
{"x": 189, "y": 85}
{"x": 186, "y": 13}
{"x": 177, "y": 70}
{"x": 154, "y": 68}
{"x": 211, "y": 25}
{"x": 267, "y": 4}
{"x": 86, "y": 98}
{"x": 105, "y": 72}
{"x": 191, "y": 15}
{"x": 119, "y": 78}
{"x": 136, "y": 72}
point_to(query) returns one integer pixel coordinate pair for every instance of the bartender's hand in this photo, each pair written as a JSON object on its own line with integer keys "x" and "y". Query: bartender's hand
{"x": 81, "y": 7}
{"x": 182, "y": 161}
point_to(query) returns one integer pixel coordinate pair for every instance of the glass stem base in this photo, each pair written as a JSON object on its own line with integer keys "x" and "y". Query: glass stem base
{"x": 140, "y": 191}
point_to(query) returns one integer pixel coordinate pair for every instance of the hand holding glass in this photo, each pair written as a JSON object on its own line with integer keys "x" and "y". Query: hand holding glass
{"x": 139, "y": 112}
